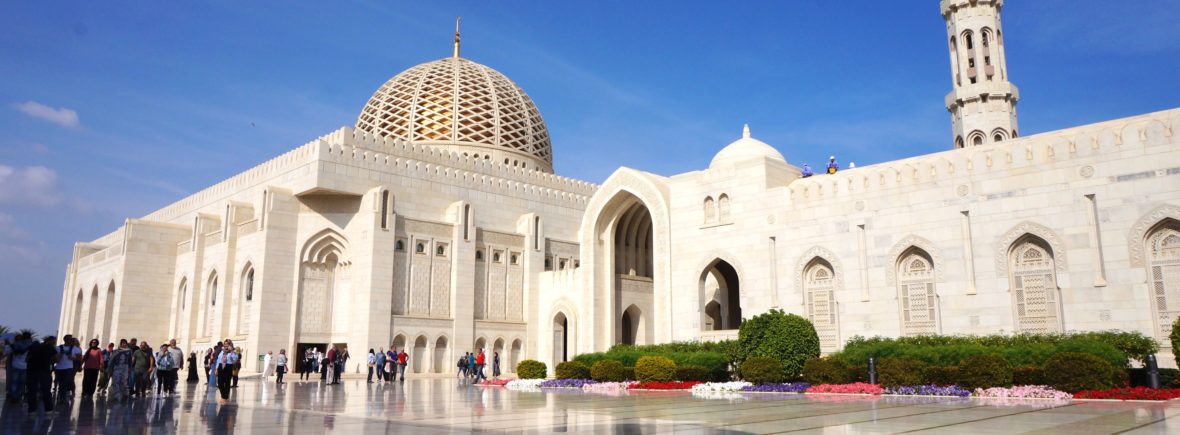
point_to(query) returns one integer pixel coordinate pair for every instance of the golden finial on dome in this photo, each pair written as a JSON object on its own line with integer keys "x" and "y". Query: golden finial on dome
{"x": 457, "y": 19}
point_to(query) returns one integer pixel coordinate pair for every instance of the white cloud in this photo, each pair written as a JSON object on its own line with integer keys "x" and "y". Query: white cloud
{"x": 64, "y": 117}
{"x": 34, "y": 185}
{"x": 15, "y": 245}
{"x": 40, "y": 148}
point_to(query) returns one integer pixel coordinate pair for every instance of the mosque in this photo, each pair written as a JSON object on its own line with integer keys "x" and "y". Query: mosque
{"x": 437, "y": 224}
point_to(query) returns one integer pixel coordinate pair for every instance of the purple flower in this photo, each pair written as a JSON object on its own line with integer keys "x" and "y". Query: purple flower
{"x": 793, "y": 387}
{"x": 567, "y": 383}
{"x": 929, "y": 390}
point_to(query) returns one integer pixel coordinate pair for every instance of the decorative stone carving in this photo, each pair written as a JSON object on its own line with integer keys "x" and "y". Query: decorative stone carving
{"x": 818, "y": 251}
{"x": 1005, "y": 243}
{"x": 918, "y": 242}
{"x": 1138, "y": 236}
{"x": 1086, "y": 171}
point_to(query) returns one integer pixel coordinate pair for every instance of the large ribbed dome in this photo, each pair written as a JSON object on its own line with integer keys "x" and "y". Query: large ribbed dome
{"x": 464, "y": 106}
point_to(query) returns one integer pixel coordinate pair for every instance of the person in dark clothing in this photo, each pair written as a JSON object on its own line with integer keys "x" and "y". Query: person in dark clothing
{"x": 193, "y": 377}
{"x": 224, "y": 364}
{"x": 41, "y": 359}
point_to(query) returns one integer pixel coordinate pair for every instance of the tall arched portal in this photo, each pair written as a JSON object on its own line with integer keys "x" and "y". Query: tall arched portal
{"x": 633, "y": 267}
{"x": 561, "y": 338}
{"x": 721, "y": 304}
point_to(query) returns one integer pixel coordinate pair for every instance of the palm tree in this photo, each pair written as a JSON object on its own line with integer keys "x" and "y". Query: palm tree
{"x": 3, "y": 329}
{"x": 32, "y": 333}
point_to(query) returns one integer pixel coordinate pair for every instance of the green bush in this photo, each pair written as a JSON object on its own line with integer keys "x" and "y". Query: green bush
{"x": 1028, "y": 375}
{"x": 1174, "y": 337}
{"x": 788, "y": 338}
{"x": 608, "y": 370}
{"x": 762, "y": 370}
{"x": 1117, "y": 347}
{"x": 655, "y": 368}
{"x": 1072, "y": 372}
{"x": 827, "y": 371}
{"x": 691, "y": 373}
{"x": 895, "y": 372}
{"x": 571, "y": 370}
{"x": 629, "y": 373}
{"x": 716, "y": 365}
{"x": 984, "y": 371}
{"x": 941, "y": 375}
{"x": 531, "y": 369}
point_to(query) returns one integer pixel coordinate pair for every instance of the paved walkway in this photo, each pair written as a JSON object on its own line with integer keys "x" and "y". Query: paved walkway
{"x": 447, "y": 406}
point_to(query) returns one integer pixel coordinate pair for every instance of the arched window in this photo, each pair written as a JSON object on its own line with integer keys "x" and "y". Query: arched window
{"x": 710, "y": 210}
{"x": 399, "y": 246}
{"x": 244, "y": 312}
{"x": 479, "y": 255}
{"x": 723, "y": 208}
{"x": 959, "y": 142}
{"x": 211, "y": 288}
{"x": 420, "y": 248}
{"x": 1163, "y": 244}
{"x": 440, "y": 250}
{"x": 819, "y": 288}
{"x": 977, "y": 138}
{"x": 916, "y": 294}
{"x": 955, "y": 62}
{"x": 1034, "y": 286}
{"x": 249, "y": 283}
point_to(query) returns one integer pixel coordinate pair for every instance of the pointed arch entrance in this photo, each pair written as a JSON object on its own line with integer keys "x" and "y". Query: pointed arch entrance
{"x": 721, "y": 306}
{"x": 561, "y": 338}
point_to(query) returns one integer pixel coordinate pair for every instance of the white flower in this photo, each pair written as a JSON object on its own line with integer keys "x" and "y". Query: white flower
{"x": 720, "y": 387}
{"x": 525, "y": 384}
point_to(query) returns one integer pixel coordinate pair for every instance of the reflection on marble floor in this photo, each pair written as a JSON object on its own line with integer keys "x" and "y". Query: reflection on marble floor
{"x": 449, "y": 406}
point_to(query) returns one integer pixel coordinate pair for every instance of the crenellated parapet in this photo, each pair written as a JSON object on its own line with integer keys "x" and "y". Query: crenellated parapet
{"x": 1078, "y": 146}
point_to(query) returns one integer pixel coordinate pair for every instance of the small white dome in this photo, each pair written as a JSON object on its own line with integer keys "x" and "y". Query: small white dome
{"x": 745, "y": 148}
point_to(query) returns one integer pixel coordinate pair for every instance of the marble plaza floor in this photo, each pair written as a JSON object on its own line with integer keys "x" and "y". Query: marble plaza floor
{"x": 424, "y": 406}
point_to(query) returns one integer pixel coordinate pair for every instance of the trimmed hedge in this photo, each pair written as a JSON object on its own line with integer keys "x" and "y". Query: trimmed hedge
{"x": 716, "y": 365}
{"x": 984, "y": 371}
{"x": 1174, "y": 337}
{"x": 608, "y": 370}
{"x": 762, "y": 370}
{"x": 571, "y": 370}
{"x": 942, "y": 375}
{"x": 1017, "y": 354}
{"x": 655, "y": 368}
{"x": 531, "y": 369}
{"x": 818, "y": 371}
{"x": 1131, "y": 345}
{"x": 691, "y": 373}
{"x": 788, "y": 338}
{"x": 1072, "y": 372}
{"x": 1028, "y": 375}
{"x": 898, "y": 372}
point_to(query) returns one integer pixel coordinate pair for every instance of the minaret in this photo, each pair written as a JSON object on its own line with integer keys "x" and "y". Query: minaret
{"x": 983, "y": 102}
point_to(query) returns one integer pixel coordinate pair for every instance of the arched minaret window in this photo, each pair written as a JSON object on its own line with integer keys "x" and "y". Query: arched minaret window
{"x": 969, "y": 41}
{"x": 988, "y": 69}
{"x": 959, "y": 142}
{"x": 955, "y": 62}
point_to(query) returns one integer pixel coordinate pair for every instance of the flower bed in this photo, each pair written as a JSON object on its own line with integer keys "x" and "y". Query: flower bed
{"x": 669, "y": 385}
{"x": 495, "y": 382}
{"x": 929, "y": 390}
{"x": 1023, "y": 392}
{"x": 792, "y": 387}
{"x": 720, "y": 387}
{"x": 525, "y": 384}
{"x": 1136, "y": 393}
{"x": 567, "y": 383}
{"x": 853, "y": 388}
{"x": 608, "y": 388}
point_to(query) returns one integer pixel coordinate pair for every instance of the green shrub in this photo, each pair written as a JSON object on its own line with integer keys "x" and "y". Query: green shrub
{"x": 655, "y": 368}
{"x": 984, "y": 371}
{"x": 827, "y": 371}
{"x": 1028, "y": 375}
{"x": 1117, "y": 347}
{"x": 531, "y": 369}
{"x": 608, "y": 370}
{"x": 788, "y": 338}
{"x": 1072, "y": 372}
{"x": 762, "y": 370}
{"x": 628, "y": 373}
{"x": 691, "y": 373}
{"x": 941, "y": 375}
{"x": 715, "y": 364}
{"x": 1174, "y": 337}
{"x": 571, "y": 370}
{"x": 895, "y": 372}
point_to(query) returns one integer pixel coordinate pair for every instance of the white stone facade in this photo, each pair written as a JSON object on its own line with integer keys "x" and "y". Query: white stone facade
{"x": 363, "y": 240}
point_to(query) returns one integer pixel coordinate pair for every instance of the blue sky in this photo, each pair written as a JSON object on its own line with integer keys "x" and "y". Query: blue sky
{"x": 112, "y": 110}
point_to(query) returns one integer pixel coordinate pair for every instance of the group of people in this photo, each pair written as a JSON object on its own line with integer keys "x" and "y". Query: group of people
{"x": 471, "y": 366}
{"x": 39, "y": 371}
{"x": 329, "y": 365}
{"x": 833, "y": 167}
{"x": 387, "y": 364}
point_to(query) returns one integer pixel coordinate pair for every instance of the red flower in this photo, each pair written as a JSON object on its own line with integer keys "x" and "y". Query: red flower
{"x": 672, "y": 385}
{"x": 1135, "y": 393}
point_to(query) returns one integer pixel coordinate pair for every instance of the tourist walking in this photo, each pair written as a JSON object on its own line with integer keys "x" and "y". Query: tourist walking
{"x": 237, "y": 365}
{"x": 17, "y": 373}
{"x": 193, "y": 377}
{"x": 326, "y": 364}
{"x": 402, "y": 359}
{"x": 224, "y": 366}
{"x": 480, "y": 360}
{"x": 496, "y": 365}
{"x": 141, "y": 362}
{"x": 91, "y": 365}
{"x": 104, "y": 375}
{"x": 390, "y": 363}
{"x": 40, "y": 362}
{"x": 340, "y": 363}
{"x": 280, "y": 365}
{"x": 119, "y": 369}
{"x": 177, "y": 361}
{"x": 210, "y": 357}
{"x": 379, "y": 363}
{"x": 69, "y": 357}
{"x": 266, "y": 367}
{"x": 371, "y": 362}
{"x": 165, "y": 364}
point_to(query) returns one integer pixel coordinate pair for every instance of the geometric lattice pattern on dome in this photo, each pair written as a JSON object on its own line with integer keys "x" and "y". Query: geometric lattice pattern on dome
{"x": 455, "y": 100}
